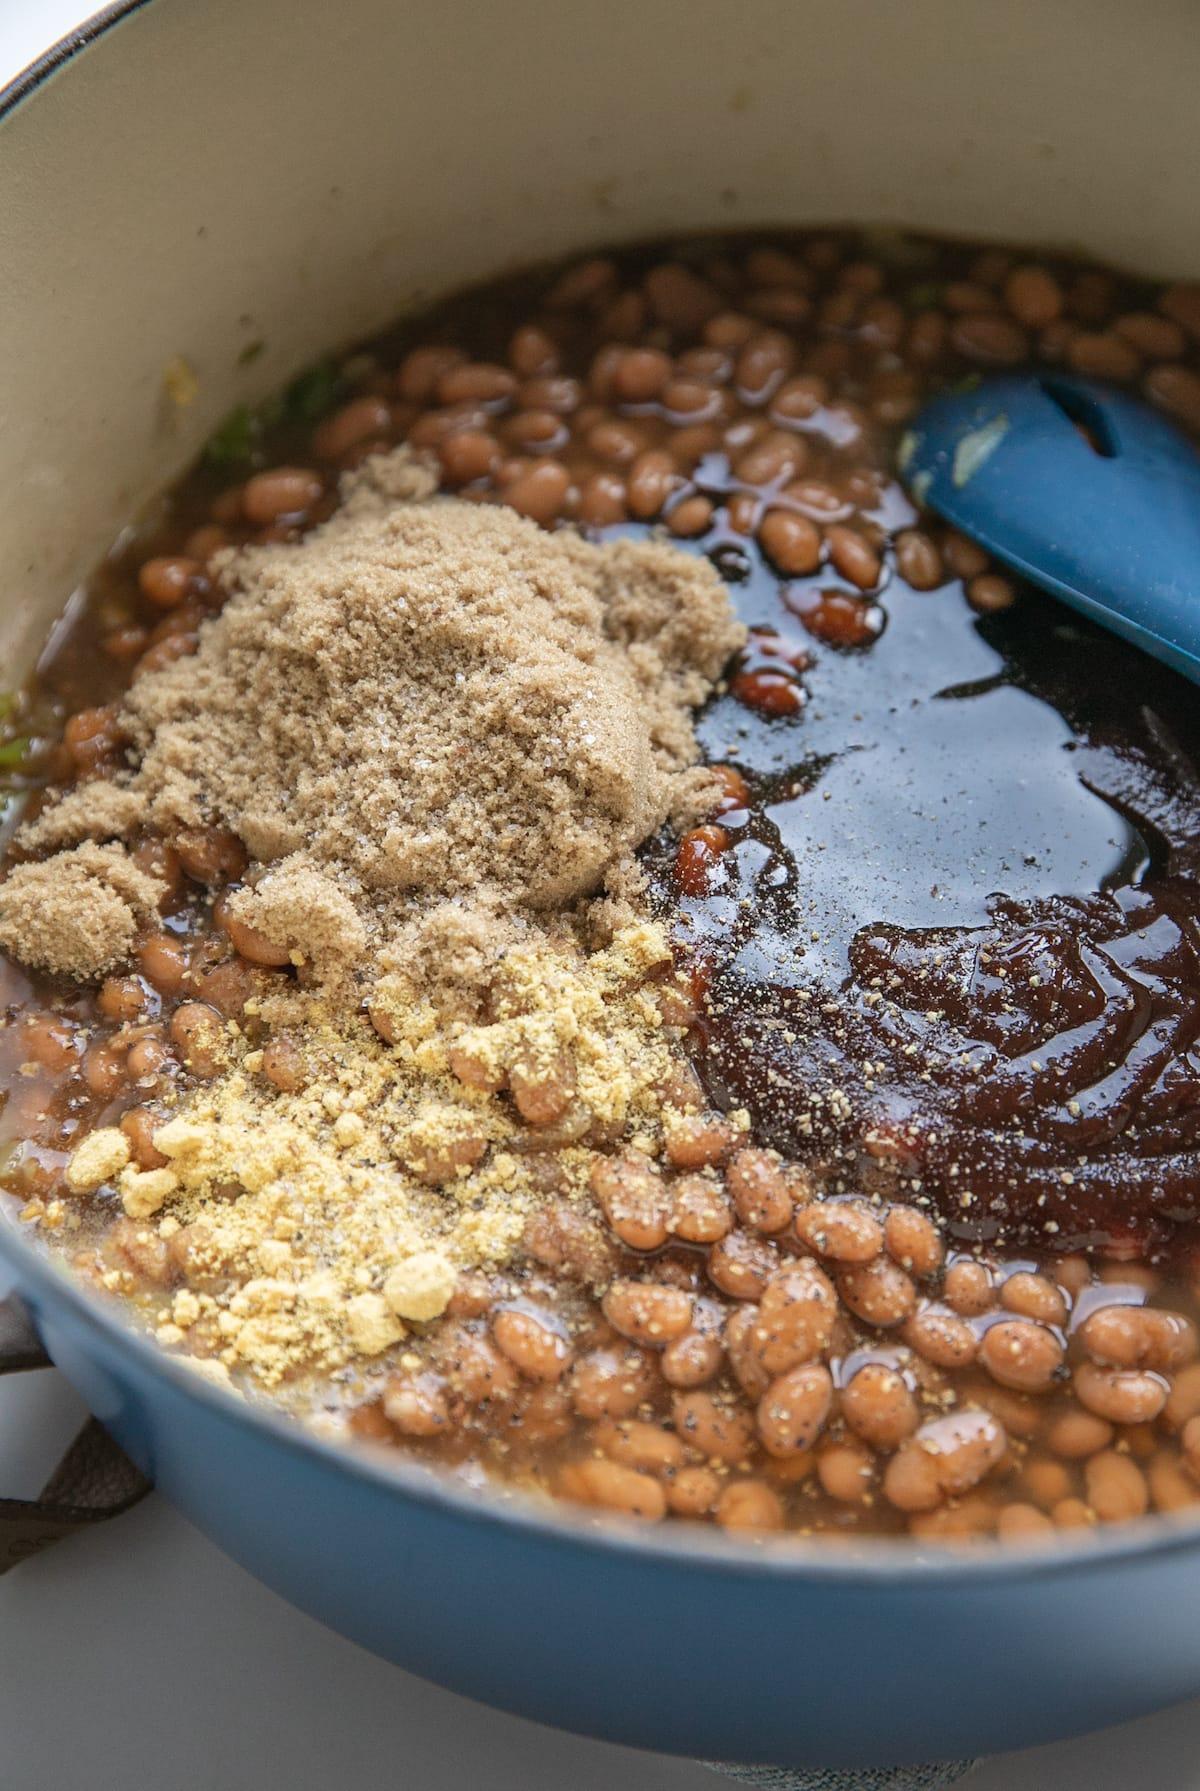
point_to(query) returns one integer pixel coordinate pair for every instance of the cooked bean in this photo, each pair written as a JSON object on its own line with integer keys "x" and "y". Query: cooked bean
{"x": 287, "y": 491}
{"x": 416, "y": 1404}
{"x": 792, "y": 543}
{"x": 551, "y": 392}
{"x": 1103, "y": 354}
{"x": 1123, "y": 1396}
{"x": 476, "y": 382}
{"x": 163, "y": 962}
{"x": 693, "y": 1492}
{"x": 641, "y": 374}
{"x": 749, "y": 1505}
{"x": 912, "y": 1239}
{"x": 968, "y": 1289}
{"x": 843, "y": 1231}
{"x": 691, "y": 517}
{"x": 1157, "y": 338}
{"x": 363, "y": 419}
{"x": 467, "y": 455}
{"x": 759, "y": 1190}
{"x": 421, "y": 370}
{"x": 638, "y": 1444}
{"x": 989, "y": 593}
{"x": 210, "y": 855}
{"x": 853, "y": 557}
{"x": 697, "y": 1140}
{"x": 741, "y": 1264}
{"x": 104, "y": 1069}
{"x": 602, "y": 501}
{"x": 1183, "y": 1400}
{"x": 120, "y": 998}
{"x": 284, "y": 1063}
{"x": 611, "y": 1383}
{"x": 1076, "y": 1434}
{"x": 620, "y": 442}
{"x": 249, "y": 942}
{"x": 1033, "y": 1296}
{"x": 795, "y": 1318}
{"x": 941, "y": 1337}
{"x": 679, "y": 298}
{"x": 927, "y": 336}
{"x": 763, "y": 364}
{"x": 92, "y": 736}
{"x": 1047, "y": 1482}
{"x": 911, "y": 1481}
{"x": 653, "y": 477}
{"x": 879, "y": 1407}
{"x": 634, "y": 1199}
{"x": 1033, "y": 295}
{"x": 624, "y": 317}
{"x": 793, "y": 1410}
{"x": 1172, "y": 1487}
{"x": 989, "y": 338}
{"x": 139, "y": 1125}
{"x": 878, "y": 1292}
{"x": 1090, "y": 296}
{"x": 918, "y": 561}
{"x": 1073, "y": 1514}
{"x": 539, "y": 492}
{"x": 963, "y": 1521}
{"x": 1021, "y": 1354}
{"x": 692, "y": 1360}
{"x": 542, "y": 1087}
{"x": 1116, "y": 1487}
{"x": 198, "y": 1035}
{"x": 170, "y": 579}
{"x": 846, "y": 1472}
{"x": 965, "y": 1446}
{"x": 1176, "y": 390}
{"x": 646, "y": 1312}
{"x": 1137, "y": 1337}
{"x": 716, "y": 1428}
{"x": 1020, "y": 1522}
{"x": 228, "y": 986}
{"x": 1189, "y": 1442}
{"x": 699, "y": 1210}
{"x": 533, "y": 1346}
{"x": 615, "y": 1487}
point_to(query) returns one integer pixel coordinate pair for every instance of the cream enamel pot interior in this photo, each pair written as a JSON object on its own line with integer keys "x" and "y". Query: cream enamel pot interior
{"x": 181, "y": 180}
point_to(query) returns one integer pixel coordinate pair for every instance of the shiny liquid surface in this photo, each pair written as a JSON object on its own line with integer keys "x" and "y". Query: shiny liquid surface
{"x": 957, "y": 929}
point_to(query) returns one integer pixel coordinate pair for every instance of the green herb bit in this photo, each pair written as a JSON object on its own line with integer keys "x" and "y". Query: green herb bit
{"x": 313, "y": 393}
{"x": 13, "y": 752}
{"x": 236, "y": 438}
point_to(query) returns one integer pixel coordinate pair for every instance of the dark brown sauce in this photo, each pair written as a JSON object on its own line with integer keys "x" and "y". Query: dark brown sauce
{"x": 954, "y": 941}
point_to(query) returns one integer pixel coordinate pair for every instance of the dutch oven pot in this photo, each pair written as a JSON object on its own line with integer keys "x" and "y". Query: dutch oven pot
{"x": 178, "y": 182}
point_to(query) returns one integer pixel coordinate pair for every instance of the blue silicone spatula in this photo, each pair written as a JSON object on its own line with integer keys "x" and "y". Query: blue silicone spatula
{"x": 1081, "y": 489}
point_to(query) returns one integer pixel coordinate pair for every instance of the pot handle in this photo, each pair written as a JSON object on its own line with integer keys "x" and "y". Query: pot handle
{"x": 95, "y": 1479}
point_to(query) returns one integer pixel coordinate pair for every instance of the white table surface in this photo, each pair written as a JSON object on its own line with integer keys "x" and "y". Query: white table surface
{"x": 139, "y": 1655}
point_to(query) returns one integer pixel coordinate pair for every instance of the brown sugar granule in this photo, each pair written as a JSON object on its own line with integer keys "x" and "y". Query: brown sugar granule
{"x": 80, "y": 908}
{"x": 422, "y": 702}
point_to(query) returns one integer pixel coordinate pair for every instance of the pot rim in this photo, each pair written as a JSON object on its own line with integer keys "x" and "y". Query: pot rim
{"x": 63, "y": 51}
{"x": 867, "y": 1563}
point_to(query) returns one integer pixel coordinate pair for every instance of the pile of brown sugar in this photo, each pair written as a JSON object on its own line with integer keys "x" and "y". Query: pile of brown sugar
{"x": 427, "y": 721}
